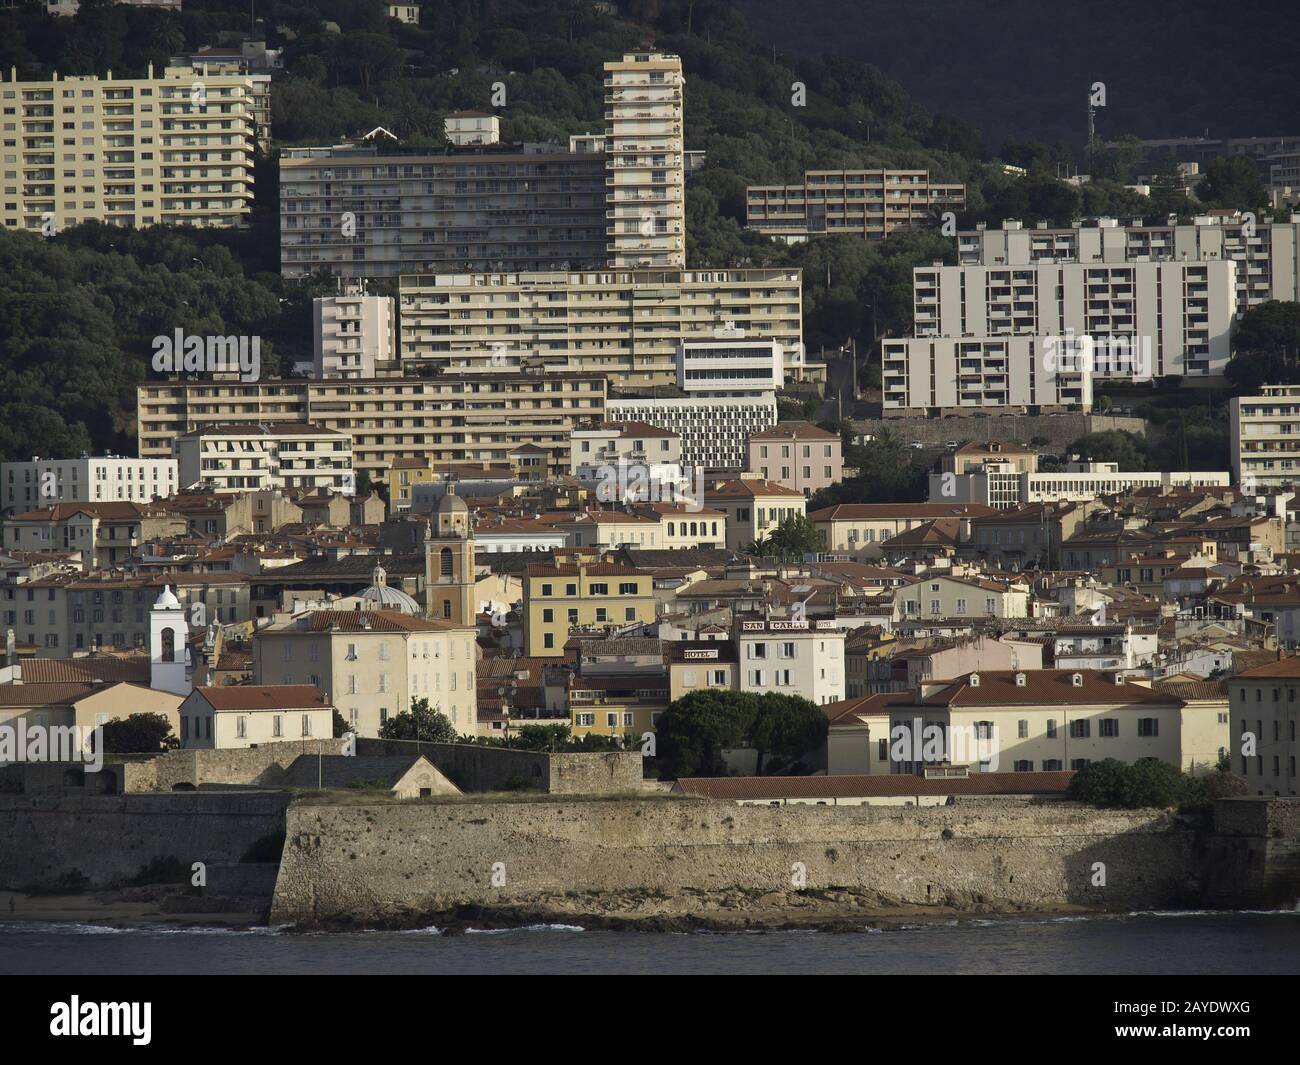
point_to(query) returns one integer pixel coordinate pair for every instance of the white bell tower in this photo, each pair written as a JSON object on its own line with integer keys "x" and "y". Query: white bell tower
{"x": 168, "y": 645}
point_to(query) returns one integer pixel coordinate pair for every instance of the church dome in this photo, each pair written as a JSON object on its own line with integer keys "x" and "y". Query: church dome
{"x": 167, "y": 601}
{"x": 384, "y": 597}
{"x": 452, "y": 504}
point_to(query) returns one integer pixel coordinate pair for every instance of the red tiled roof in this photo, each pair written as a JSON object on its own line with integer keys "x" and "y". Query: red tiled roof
{"x": 264, "y": 697}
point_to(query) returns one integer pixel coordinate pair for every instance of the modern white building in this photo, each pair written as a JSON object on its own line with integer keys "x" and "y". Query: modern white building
{"x": 998, "y": 484}
{"x": 623, "y": 452}
{"x": 644, "y": 161}
{"x": 354, "y": 335}
{"x": 713, "y": 429}
{"x": 243, "y": 458}
{"x": 1173, "y": 318}
{"x": 110, "y": 478}
{"x": 1264, "y": 432}
{"x": 791, "y": 656}
{"x": 927, "y": 374}
{"x": 1267, "y": 253}
{"x": 730, "y": 365}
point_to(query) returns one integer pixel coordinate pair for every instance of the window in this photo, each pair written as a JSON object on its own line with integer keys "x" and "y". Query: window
{"x": 627, "y": 588}
{"x": 1079, "y": 763}
{"x": 1080, "y": 730}
{"x": 1024, "y": 765}
{"x": 1148, "y": 726}
{"x": 1051, "y": 730}
{"x": 586, "y": 720}
{"x": 241, "y": 727}
{"x": 1022, "y": 729}
{"x": 277, "y": 725}
{"x": 1108, "y": 726}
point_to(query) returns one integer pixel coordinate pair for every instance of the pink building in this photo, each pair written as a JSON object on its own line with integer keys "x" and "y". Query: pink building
{"x": 797, "y": 455}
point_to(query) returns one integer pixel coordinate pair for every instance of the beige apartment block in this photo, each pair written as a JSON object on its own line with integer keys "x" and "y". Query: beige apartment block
{"x": 372, "y": 663}
{"x": 446, "y": 419}
{"x": 1264, "y": 432}
{"x": 1265, "y": 708}
{"x": 628, "y": 324}
{"x": 175, "y": 149}
{"x": 866, "y": 203}
{"x": 645, "y": 175}
{"x": 242, "y": 458}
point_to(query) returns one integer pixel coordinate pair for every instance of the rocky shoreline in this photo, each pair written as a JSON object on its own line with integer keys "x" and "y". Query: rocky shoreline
{"x": 822, "y": 910}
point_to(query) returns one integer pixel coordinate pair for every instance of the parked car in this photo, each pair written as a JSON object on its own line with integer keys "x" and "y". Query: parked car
{"x": 951, "y": 445}
{"x": 917, "y": 444}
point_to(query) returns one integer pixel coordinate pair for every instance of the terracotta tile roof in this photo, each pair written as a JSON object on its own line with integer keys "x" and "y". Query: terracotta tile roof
{"x": 794, "y": 431}
{"x": 84, "y": 670}
{"x": 881, "y": 785}
{"x": 1280, "y": 669}
{"x": 1044, "y": 687}
{"x": 62, "y": 694}
{"x": 1193, "y": 690}
{"x": 374, "y": 621}
{"x": 847, "y": 711}
{"x": 594, "y": 569}
{"x": 263, "y": 697}
{"x": 749, "y": 489}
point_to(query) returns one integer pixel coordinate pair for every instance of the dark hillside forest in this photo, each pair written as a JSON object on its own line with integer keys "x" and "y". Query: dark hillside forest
{"x": 78, "y": 311}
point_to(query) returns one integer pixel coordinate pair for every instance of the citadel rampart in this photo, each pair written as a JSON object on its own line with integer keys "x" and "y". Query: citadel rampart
{"x": 393, "y": 863}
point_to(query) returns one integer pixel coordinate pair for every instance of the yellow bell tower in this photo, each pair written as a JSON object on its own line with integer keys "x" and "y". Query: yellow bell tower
{"x": 449, "y": 563}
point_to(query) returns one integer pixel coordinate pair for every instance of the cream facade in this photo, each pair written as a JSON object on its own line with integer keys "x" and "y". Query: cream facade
{"x": 1265, "y": 710}
{"x": 353, "y": 335}
{"x": 172, "y": 149}
{"x": 960, "y": 597}
{"x": 627, "y": 323}
{"x": 372, "y": 663}
{"x": 1264, "y": 433}
{"x": 453, "y": 418}
{"x": 239, "y": 716}
{"x": 645, "y": 161}
{"x": 858, "y": 529}
{"x": 241, "y": 458}
{"x": 1045, "y": 720}
{"x": 867, "y": 203}
{"x": 754, "y": 508}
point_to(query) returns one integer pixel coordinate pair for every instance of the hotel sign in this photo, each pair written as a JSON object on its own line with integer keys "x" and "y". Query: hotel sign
{"x": 690, "y": 655}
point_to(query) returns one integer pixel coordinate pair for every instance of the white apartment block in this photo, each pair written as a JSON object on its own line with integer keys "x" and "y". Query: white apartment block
{"x": 627, "y": 324}
{"x": 730, "y": 365}
{"x": 791, "y": 657}
{"x": 928, "y": 374}
{"x": 1174, "y": 317}
{"x": 622, "y": 445}
{"x": 354, "y": 335}
{"x": 43, "y": 482}
{"x": 645, "y": 168}
{"x": 1264, "y": 432}
{"x": 713, "y": 429}
{"x": 452, "y": 418}
{"x": 999, "y": 485}
{"x": 245, "y": 458}
{"x": 175, "y": 149}
{"x": 1267, "y": 253}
